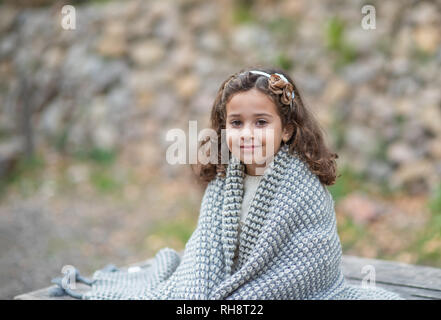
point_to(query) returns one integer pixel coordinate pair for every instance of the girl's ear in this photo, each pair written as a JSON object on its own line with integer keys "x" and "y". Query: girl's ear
{"x": 287, "y": 132}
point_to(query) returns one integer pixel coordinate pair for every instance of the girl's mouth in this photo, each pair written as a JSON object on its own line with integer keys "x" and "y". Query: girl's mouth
{"x": 250, "y": 147}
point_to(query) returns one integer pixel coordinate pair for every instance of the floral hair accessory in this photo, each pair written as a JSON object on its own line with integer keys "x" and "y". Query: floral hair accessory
{"x": 280, "y": 85}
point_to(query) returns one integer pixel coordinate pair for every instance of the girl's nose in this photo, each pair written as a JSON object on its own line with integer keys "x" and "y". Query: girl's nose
{"x": 246, "y": 133}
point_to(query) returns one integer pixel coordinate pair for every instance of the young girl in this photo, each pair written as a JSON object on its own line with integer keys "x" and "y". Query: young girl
{"x": 267, "y": 226}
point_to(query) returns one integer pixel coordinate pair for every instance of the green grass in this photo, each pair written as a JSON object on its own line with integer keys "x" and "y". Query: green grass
{"x": 380, "y": 151}
{"x": 425, "y": 246}
{"x": 104, "y": 181}
{"x": 4, "y": 134}
{"x": 400, "y": 119}
{"x": 343, "y": 51}
{"x": 242, "y": 13}
{"x": 97, "y": 155}
{"x": 351, "y": 233}
{"x": 282, "y": 28}
{"x": 384, "y": 46}
{"x": 431, "y": 233}
{"x": 284, "y": 62}
{"x": 337, "y": 130}
{"x": 335, "y": 33}
{"x": 174, "y": 231}
{"x": 26, "y": 176}
{"x": 179, "y": 230}
{"x": 435, "y": 202}
{"x": 349, "y": 181}
{"x": 60, "y": 141}
{"x": 102, "y": 176}
{"x": 421, "y": 56}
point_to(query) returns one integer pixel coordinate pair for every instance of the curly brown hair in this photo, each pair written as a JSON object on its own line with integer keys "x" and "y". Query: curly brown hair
{"x": 307, "y": 138}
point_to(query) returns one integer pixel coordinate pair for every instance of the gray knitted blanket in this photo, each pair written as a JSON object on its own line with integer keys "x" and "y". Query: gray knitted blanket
{"x": 288, "y": 249}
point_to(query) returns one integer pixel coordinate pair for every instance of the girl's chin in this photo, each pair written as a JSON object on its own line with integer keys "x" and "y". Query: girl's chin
{"x": 250, "y": 159}
{"x": 251, "y": 155}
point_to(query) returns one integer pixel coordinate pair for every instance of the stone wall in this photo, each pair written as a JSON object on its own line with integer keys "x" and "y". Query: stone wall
{"x": 134, "y": 69}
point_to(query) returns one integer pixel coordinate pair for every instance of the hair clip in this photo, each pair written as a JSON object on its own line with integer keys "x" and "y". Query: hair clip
{"x": 283, "y": 78}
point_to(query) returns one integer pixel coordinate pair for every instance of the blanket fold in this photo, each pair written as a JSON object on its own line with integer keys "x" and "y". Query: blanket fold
{"x": 288, "y": 249}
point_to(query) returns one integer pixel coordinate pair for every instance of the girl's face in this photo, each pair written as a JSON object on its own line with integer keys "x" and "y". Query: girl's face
{"x": 254, "y": 129}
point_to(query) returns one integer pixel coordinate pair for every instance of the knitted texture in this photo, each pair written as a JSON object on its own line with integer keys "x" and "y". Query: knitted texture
{"x": 288, "y": 249}
{"x": 250, "y": 184}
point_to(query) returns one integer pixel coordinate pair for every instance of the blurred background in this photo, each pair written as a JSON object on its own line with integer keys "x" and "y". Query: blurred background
{"x": 84, "y": 113}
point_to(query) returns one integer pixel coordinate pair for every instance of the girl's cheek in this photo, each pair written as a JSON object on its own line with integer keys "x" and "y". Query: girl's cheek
{"x": 230, "y": 138}
{"x": 264, "y": 135}
{"x": 260, "y": 136}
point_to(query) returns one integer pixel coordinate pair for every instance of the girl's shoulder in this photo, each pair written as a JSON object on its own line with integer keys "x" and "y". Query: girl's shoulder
{"x": 215, "y": 184}
{"x": 300, "y": 177}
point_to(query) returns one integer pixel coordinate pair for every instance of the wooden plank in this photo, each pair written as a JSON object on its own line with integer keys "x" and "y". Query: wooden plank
{"x": 44, "y": 294}
{"x": 405, "y": 292}
{"x": 410, "y": 281}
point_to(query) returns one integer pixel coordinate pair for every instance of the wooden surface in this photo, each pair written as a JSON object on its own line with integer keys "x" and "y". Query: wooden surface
{"x": 410, "y": 281}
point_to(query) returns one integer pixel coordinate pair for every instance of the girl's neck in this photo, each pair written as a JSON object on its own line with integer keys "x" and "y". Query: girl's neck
{"x": 255, "y": 169}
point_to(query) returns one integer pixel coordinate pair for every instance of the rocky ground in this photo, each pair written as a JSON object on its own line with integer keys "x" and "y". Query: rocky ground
{"x": 45, "y": 226}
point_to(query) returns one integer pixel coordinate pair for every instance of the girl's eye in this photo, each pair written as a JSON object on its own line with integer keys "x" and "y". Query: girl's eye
{"x": 260, "y": 123}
